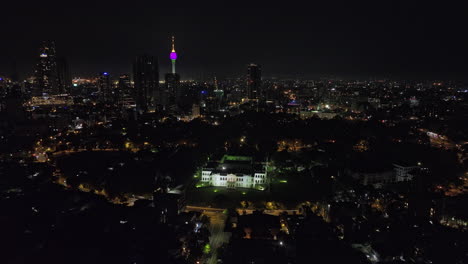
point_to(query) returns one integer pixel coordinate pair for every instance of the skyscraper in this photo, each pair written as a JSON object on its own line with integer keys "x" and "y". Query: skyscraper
{"x": 3, "y": 88}
{"x": 46, "y": 77}
{"x": 124, "y": 84}
{"x": 254, "y": 81}
{"x": 219, "y": 94}
{"x": 173, "y": 79}
{"x": 173, "y": 86}
{"x": 125, "y": 91}
{"x": 146, "y": 79}
{"x": 104, "y": 86}
{"x": 195, "y": 111}
{"x": 63, "y": 76}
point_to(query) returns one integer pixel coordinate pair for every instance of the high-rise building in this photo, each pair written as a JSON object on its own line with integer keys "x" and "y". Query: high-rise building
{"x": 46, "y": 77}
{"x": 104, "y": 86}
{"x": 3, "y": 88}
{"x": 146, "y": 81}
{"x": 254, "y": 81}
{"x": 173, "y": 86}
{"x": 125, "y": 91}
{"x": 218, "y": 93}
{"x": 124, "y": 83}
{"x": 63, "y": 76}
{"x": 195, "y": 111}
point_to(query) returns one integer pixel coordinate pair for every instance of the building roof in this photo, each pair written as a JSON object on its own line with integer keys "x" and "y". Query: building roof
{"x": 235, "y": 168}
{"x": 406, "y": 164}
{"x": 228, "y": 158}
{"x": 238, "y": 165}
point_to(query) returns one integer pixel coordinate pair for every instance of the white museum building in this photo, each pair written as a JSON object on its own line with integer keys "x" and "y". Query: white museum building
{"x": 235, "y": 171}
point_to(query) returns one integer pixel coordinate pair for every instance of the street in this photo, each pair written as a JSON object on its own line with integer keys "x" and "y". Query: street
{"x": 218, "y": 236}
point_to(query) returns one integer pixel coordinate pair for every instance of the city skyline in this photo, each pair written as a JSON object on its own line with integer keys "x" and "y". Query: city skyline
{"x": 231, "y": 133}
{"x": 397, "y": 40}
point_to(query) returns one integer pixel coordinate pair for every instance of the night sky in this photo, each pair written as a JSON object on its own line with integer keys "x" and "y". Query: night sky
{"x": 337, "y": 38}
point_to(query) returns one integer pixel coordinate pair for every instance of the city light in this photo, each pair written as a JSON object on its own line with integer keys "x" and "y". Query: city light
{"x": 173, "y": 56}
{"x": 306, "y": 153}
{"x": 207, "y": 249}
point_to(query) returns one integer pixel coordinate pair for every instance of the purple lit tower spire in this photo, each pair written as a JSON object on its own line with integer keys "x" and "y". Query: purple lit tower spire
{"x": 173, "y": 55}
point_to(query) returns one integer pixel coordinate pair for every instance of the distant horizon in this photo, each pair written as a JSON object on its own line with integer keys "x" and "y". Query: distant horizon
{"x": 200, "y": 74}
{"x": 312, "y": 77}
{"x": 399, "y": 39}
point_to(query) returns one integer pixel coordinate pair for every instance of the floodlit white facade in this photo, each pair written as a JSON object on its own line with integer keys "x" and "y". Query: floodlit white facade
{"x": 237, "y": 176}
{"x": 233, "y": 180}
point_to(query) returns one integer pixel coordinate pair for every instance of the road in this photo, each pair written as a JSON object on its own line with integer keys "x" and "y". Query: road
{"x": 218, "y": 236}
{"x": 68, "y": 152}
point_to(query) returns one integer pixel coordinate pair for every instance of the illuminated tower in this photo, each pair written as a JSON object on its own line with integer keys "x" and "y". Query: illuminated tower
{"x": 173, "y": 87}
{"x": 173, "y": 55}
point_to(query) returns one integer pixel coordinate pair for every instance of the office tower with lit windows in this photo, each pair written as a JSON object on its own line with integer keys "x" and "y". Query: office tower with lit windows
{"x": 219, "y": 95}
{"x": 46, "y": 77}
{"x": 125, "y": 91}
{"x": 104, "y": 87}
{"x": 173, "y": 86}
{"x": 254, "y": 81}
{"x": 124, "y": 82}
{"x": 146, "y": 81}
{"x": 3, "y": 89}
{"x": 124, "y": 85}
